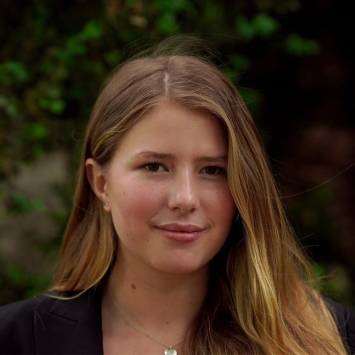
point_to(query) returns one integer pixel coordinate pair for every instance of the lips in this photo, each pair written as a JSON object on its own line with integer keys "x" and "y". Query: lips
{"x": 184, "y": 233}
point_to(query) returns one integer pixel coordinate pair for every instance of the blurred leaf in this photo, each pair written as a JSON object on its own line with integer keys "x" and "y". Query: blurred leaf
{"x": 261, "y": 25}
{"x": 13, "y": 71}
{"x": 132, "y": 2}
{"x": 240, "y": 62}
{"x": 334, "y": 280}
{"x": 10, "y": 105}
{"x": 91, "y": 30}
{"x": 264, "y": 25}
{"x": 299, "y": 46}
{"x": 250, "y": 96}
{"x": 20, "y": 205}
{"x": 113, "y": 56}
{"x": 76, "y": 44}
{"x": 16, "y": 283}
{"x": 36, "y": 131}
{"x": 167, "y": 25}
{"x": 56, "y": 106}
{"x": 173, "y": 6}
{"x": 244, "y": 28}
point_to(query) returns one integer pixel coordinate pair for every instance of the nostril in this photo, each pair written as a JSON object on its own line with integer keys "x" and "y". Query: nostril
{"x": 184, "y": 201}
{"x": 184, "y": 194}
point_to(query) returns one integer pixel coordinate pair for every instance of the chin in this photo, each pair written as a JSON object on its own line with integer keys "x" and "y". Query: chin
{"x": 181, "y": 267}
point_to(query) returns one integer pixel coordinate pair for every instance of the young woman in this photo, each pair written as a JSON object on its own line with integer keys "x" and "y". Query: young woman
{"x": 177, "y": 242}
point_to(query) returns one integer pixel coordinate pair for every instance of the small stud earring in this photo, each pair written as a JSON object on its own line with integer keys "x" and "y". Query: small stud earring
{"x": 105, "y": 204}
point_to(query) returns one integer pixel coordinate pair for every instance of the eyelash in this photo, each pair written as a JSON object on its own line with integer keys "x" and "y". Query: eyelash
{"x": 217, "y": 167}
{"x": 145, "y": 166}
{"x": 158, "y": 165}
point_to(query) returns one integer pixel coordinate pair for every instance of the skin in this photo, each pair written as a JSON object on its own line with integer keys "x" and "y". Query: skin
{"x": 172, "y": 209}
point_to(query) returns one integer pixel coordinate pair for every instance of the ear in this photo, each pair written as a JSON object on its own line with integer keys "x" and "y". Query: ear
{"x": 97, "y": 180}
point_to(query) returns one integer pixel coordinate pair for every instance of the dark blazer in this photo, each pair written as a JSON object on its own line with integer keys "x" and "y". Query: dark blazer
{"x": 46, "y": 325}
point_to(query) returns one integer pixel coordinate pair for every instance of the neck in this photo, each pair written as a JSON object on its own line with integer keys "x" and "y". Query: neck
{"x": 159, "y": 304}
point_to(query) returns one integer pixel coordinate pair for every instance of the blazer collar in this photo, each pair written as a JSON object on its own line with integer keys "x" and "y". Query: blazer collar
{"x": 69, "y": 326}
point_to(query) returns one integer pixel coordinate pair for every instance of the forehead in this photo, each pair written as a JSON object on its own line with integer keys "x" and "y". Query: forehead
{"x": 170, "y": 126}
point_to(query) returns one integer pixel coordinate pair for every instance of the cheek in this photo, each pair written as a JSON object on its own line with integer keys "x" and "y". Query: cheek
{"x": 222, "y": 208}
{"x": 133, "y": 202}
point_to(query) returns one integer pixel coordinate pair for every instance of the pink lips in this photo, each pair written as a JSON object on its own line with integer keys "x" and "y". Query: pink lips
{"x": 185, "y": 233}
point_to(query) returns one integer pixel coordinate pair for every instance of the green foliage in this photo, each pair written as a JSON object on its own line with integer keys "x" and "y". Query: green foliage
{"x": 334, "y": 282}
{"x": 76, "y": 45}
{"x": 173, "y": 6}
{"x": 20, "y": 204}
{"x": 167, "y": 24}
{"x": 36, "y": 130}
{"x": 300, "y": 47}
{"x": 261, "y": 25}
{"x": 241, "y": 63}
{"x": 9, "y": 105}
{"x": 252, "y": 98}
{"x": 12, "y": 72}
{"x": 16, "y": 283}
{"x": 312, "y": 211}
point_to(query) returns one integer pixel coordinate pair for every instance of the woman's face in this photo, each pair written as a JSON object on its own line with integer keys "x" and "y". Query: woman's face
{"x": 168, "y": 192}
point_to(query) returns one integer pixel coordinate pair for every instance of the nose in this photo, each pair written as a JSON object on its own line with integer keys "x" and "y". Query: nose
{"x": 184, "y": 194}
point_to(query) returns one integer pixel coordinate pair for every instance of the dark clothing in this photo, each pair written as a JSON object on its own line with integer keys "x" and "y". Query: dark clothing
{"x": 47, "y": 325}
{"x": 345, "y": 319}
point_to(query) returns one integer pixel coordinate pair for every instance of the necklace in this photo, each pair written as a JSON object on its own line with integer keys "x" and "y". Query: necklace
{"x": 170, "y": 349}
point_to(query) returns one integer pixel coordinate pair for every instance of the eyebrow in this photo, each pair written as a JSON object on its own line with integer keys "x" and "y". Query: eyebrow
{"x": 222, "y": 158}
{"x": 156, "y": 155}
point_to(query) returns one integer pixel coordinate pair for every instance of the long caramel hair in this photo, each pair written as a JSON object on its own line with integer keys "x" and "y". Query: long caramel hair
{"x": 261, "y": 299}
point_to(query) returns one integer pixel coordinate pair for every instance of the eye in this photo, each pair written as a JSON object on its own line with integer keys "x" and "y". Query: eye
{"x": 214, "y": 170}
{"x": 154, "y": 167}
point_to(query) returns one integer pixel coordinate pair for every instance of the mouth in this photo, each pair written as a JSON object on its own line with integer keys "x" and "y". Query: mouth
{"x": 183, "y": 233}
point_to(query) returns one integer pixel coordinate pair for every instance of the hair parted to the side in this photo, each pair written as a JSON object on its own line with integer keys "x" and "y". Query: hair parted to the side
{"x": 260, "y": 299}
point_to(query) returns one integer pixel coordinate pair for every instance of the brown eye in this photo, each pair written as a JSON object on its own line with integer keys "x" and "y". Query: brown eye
{"x": 153, "y": 167}
{"x": 214, "y": 170}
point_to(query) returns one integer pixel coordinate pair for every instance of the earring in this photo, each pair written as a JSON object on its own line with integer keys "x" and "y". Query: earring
{"x": 105, "y": 204}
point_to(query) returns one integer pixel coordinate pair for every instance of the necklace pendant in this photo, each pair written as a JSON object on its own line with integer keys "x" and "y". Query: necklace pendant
{"x": 170, "y": 351}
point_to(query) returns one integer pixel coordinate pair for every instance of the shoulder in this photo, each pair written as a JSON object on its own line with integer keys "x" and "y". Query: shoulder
{"x": 345, "y": 318}
{"x": 52, "y": 324}
{"x": 20, "y": 307}
{"x": 64, "y": 304}
{"x": 16, "y": 324}
{"x": 13, "y": 313}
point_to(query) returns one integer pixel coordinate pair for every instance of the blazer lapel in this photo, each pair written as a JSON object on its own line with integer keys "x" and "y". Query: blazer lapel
{"x": 69, "y": 326}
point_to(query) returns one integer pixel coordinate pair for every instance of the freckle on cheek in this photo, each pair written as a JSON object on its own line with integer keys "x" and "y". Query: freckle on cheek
{"x": 133, "y": 286}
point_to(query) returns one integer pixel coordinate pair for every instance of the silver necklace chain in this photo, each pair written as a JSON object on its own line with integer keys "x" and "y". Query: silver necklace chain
{"x": 170, "y": 349}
